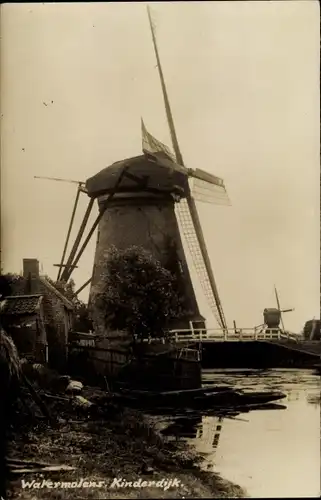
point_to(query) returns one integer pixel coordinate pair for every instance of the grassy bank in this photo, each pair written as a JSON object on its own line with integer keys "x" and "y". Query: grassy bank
{"x": 107, "y": 444}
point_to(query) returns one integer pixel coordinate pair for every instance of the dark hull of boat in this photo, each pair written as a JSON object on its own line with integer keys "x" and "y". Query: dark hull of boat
{"x": 201, "y": 399}
{"x": 166, "y": 372}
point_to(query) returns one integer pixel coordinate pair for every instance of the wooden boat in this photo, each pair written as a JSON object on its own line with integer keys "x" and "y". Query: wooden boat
{"x": 217, "y": 411}
{"x": 178, "y": 398}
{"x": 205, "y": 398}
{"x": 167, "y": 366}
{"x": 236, "y": 399}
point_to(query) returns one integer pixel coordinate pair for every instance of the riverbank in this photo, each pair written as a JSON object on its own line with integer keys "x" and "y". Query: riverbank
{"x": 108, "y": 449}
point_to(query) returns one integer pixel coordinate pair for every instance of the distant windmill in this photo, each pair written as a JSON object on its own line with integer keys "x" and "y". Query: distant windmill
{"x": 273, "y": 316}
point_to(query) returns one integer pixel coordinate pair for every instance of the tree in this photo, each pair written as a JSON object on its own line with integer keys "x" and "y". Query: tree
{"x": 8, "y": 283}
{"x": 312, "y": 325}
{"x": 139, "y": 293}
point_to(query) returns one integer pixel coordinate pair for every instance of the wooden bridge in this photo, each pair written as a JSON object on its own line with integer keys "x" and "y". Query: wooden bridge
{"x": 275, "y": 337}
{"x": 236, "y": 348}
{"x": 232, "y": 335}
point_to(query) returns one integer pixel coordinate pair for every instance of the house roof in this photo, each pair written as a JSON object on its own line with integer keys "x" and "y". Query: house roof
{"x": 67, "y": 303}
{"x": 20, "y": 305}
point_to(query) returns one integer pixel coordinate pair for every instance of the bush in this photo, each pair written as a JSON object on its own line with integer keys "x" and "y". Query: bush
{"x": 139, "y": 293}
{"x": 307, "y": 330}
{"x": 8, "y": 284}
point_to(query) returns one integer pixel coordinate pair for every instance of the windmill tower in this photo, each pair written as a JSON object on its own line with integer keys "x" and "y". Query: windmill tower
{"x": 148, "y": 201}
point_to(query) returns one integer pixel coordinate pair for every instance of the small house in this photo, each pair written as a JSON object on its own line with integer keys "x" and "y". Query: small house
{"x": 38, "y": 316}
{"x": 23, "y": 317}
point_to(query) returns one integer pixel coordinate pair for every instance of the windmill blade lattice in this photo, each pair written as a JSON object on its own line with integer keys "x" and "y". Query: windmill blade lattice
{"x": 188, "y": 230}
{"x": 209, "y": 193}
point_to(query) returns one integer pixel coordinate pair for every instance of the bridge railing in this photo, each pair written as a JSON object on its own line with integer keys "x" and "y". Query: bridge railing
{"x": 219, "y": 335}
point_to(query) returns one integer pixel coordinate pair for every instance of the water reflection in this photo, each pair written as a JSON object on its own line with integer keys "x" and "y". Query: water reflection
{"x": 184, "y": 427}
{"x": 270, "y": 453}
{"x": 209, "y": 433}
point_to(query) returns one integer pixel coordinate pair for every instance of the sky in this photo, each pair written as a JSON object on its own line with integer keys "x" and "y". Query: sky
{"x": 243, "y": 81}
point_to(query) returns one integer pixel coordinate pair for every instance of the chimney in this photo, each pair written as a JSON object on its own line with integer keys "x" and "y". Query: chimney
{"x": 31, "y": 274}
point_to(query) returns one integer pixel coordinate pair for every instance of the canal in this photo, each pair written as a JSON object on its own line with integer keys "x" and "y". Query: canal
{"x": 270, "y": 453}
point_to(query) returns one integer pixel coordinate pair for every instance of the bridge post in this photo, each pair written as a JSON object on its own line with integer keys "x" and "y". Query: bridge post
{"x": 241, "y": 333}
{"x": 225, "y": 335}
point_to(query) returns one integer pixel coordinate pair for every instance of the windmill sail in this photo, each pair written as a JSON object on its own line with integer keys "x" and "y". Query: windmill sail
{"x": 187, "y": 227}
{"x": 153, "y": 145}
{"x": 208, "y": 188}
{"x": 194, "y": 231}
{"x": 207, "y": 193}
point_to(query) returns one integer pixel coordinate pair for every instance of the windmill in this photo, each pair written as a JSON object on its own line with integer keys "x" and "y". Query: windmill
{"x": 148, "y": 201}
{"x": 273, "y": 316}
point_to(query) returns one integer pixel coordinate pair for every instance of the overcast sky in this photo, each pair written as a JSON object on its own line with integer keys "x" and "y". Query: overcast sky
{"x": 243, "y": 80}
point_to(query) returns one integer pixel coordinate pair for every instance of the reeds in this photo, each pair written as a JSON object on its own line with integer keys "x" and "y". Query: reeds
{"x": 9, "y": 358}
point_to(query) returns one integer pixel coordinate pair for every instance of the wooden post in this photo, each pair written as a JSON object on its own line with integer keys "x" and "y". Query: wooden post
{"x": 83, "y": 286}
{"x": 65, "y": 275}
{"x": 69, "y": 232}
{"x": 234, "y": 323}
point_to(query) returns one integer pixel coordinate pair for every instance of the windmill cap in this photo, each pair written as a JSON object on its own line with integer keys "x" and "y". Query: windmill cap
{"x": 148, "y": 172}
